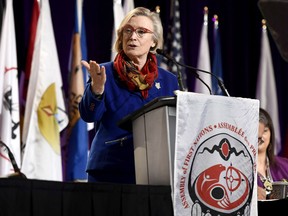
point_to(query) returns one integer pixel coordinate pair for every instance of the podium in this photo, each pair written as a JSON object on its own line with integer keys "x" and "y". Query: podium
{"x": 205, "y": 149}
{"x": 153, "y": 128}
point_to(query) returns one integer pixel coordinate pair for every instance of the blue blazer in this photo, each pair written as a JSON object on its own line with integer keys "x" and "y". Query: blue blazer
{"x": 111, "y": 155}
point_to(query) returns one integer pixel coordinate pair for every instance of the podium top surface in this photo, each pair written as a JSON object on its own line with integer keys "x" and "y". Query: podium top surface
{"x": 126, "y": 122}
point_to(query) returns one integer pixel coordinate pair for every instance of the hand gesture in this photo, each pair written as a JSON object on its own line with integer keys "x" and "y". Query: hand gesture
{"x": 97, "y": 74}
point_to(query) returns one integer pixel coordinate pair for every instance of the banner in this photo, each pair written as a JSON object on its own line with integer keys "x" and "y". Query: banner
{"x": 215, "y": 155}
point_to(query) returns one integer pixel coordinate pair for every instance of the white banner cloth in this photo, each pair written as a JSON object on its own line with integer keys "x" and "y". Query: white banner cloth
{"x": 215, "y": 155}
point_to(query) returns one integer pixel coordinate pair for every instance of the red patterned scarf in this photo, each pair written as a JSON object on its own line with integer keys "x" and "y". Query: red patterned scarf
{"x": 134, "y": 79}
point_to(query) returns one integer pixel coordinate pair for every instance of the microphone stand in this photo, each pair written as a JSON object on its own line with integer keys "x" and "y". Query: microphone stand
{"x": 179, "y": 78}
{"x": 220, "y": 83}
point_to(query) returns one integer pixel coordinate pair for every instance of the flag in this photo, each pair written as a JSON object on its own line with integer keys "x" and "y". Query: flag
{"x": 2, "y": 7}
{"x": 217, "y": 60}
{"x": 118, "y": 17}
{"x": 119, "y": 13}
{"x": 128, "y": 6}
{"x": 266, "y": 90}
{"x": 173, "y": 46}
{"x": 77, "y": 133}
{"x": 45, "y": 114}
{"x": 9, "y": 117}
{"x": 204, "y": 59}
{"x": 215, "y": 155}
{"x": 84, "y": 51}
{"x": 25, "y": 76}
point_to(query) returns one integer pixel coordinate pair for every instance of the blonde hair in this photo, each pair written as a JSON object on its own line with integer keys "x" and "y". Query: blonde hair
{"x": 157, "y": 28}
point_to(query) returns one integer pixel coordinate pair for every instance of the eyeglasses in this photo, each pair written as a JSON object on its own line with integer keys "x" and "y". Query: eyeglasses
{"x": 140, "y": 32}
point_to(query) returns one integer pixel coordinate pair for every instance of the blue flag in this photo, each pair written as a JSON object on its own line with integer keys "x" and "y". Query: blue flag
{"x": 77, "y": 133}
{"x": 217, "y": 61}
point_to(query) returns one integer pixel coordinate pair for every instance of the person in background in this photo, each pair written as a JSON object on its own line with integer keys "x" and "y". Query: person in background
{"x": 116, "y": 89}
{"x": 270, "y": 167}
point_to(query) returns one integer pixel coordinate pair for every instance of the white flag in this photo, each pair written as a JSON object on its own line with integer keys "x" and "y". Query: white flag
{"x": 266, "y": 90}
{"x": 45, "y": 114}
{"x": 9, "y": 117}
{"x": 118, "y": 17}
{"x": 2, "y": 9}
{"x": 215, "y": 155}
{"x": 204, "y": 59}
{"x": 119, "y": 13}
{"x": 128, "y": 6}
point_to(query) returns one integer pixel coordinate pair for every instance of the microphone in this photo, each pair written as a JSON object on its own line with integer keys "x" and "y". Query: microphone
{"x": 179, "y": 74}
{"x": 220, "y": 83}
{"x": 18, "y": 173}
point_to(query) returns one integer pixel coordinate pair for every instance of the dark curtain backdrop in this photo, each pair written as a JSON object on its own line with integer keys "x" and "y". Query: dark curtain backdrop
{"x": 240, "y": 28}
